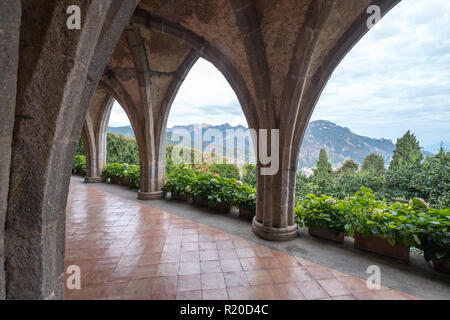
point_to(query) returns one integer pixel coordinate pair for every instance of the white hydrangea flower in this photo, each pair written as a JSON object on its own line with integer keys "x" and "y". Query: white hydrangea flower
{"x": 252, "y": 196}
{"x": 213, "y": 181}
{"x": 330, "y": 201}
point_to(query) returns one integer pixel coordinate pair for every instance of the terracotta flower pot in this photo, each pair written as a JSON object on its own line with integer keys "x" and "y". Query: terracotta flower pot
{"x": 325, "y": 234}
{"x": 201, "y": 202}
{"x": 124, "y": 181}
{"x": 222, "y": 207}
{"x": 248, "y": 214}
{"x": 377, "y": 244}
{"x": 441, "y": 266}
{"x": 179, "y": 197}
{"x": 115, "y": 180}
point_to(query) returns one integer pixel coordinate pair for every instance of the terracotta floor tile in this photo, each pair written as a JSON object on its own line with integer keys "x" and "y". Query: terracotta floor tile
{"x": 189, "y": 283}
{"x": 187, "y": 268}
{"x": 212, "y": 281}
{"x": 270, "y": 263}
{"x": 312, "y": 290}
{"x": 148, "y": 271}
{"x": 288, "y": 291}
{"x": 209, "y": 255}
{"x": 250, "y": 264}
{"x": 236, "y": 279}
{"x": 168, "y": 269}
{"x": 163, "y": 285}
{"x": 240, "y": 293}
{"x": 215, "y": 294}
{"x": 190, "y": 256}
{"x": 319, "y": 272}
{"x": 258, "y": 277}
{"x": 333, "y": 287}
{"x": 227, "y": 254}
{"x": 190, "y": 246}
{"x": 264, "y": 292}
{"x": 189, "y": 295}
{"x": 210, "y": 266}
{"x": 231, "y": 265}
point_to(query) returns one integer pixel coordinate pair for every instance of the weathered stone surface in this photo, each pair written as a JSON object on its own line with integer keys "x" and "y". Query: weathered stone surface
{"x": 10, "y": 15}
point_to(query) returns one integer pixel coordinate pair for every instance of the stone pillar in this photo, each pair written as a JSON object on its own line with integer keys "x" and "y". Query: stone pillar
{"x": 275, "y": 208}
{"x": 10, "y": 17}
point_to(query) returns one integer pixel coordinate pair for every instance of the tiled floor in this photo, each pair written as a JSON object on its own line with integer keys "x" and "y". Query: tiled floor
{"x": 131, "y": 251}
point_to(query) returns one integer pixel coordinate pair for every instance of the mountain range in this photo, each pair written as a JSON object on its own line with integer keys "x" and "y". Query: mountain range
{"x": 339, "y": 142}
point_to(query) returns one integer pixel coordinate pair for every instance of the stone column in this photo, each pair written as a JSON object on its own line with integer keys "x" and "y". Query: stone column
{"x": 10, "y": 16}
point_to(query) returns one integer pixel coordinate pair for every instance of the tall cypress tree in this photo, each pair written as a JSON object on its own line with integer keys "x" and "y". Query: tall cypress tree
{"x": 407, "y": 151}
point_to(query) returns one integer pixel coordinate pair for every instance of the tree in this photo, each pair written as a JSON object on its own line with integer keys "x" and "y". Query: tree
{"x": 407, "y": 151}
{"x": 373, "y": 162}
{"x": 323, "y": 176}
{"x": 349, "y": 166}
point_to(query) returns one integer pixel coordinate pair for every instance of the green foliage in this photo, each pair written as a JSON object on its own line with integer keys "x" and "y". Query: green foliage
{"x": 121, "y": 149}
{"x": 324, "y": 181}
{"x": 225, "y": 170}
{"x": 407, "y": 151}
{"x": 133, "y": 174}
{"x": 413, "y": 224}
{"x": 180, "y": 180}
{"x": 373, "y": 162}
{"x": 215, "y": 190}
{"x": 249, "y": 174}
{"x": 245, "y": 197}
{"x": 303, "y": 186}
{"x": 115, "y": 170}
{"x": 323, "y": 213}
{"x": 348, "y": 167}
{"x": 79, "y": 164}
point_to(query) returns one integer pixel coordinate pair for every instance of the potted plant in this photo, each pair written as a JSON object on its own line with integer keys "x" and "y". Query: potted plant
{"x": 79, "y": 165}
{"x": 179, "y": 182}
{"x": 434, "y": 226}
{"x": 245, "y": 200}
{"x": 325, "y": 217}
{"x": 381, "y": 229}
{"x": 114, "y": 172}
{"x": 214, "y": 192}
{"x": 124, "y": 179}
{"x": 134, "y": 176}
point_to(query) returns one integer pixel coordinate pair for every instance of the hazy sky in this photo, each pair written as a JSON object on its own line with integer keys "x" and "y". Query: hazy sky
{"x": 396, "y": 78}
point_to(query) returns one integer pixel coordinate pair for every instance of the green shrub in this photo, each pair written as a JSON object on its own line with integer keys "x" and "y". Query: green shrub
{"x": 133, "y": 175}
{"x": 216, "y": 190}
{"x": 115, "y": 170}
{"x": 179, "y": 180}
{"x": 323, "y": 213}
{"x": 245, "y": 197}
{"x": 225, "y": 170}
{"x": 79, "y": 165}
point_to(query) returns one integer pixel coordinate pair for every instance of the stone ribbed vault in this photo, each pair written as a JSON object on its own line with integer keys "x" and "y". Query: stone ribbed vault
{"x": 276, "y": 55}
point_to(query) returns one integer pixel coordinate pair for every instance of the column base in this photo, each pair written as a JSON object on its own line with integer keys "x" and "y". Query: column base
{"x": 150, "y": 195}
{"x": 93, "y": 180}
{"x": 272, "y": 233}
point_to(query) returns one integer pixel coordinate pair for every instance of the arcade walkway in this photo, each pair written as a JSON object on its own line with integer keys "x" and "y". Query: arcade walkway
{"x": 131, "y": 251}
